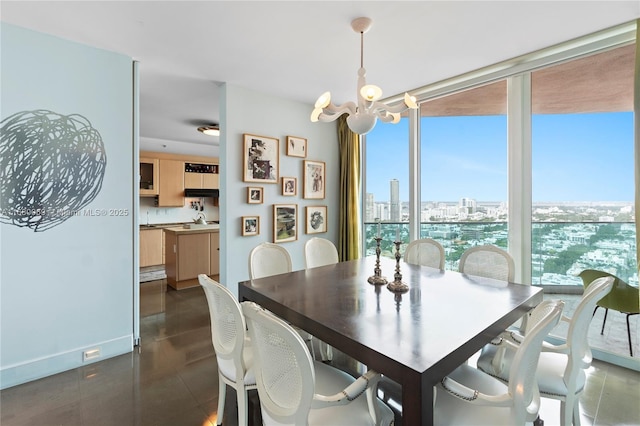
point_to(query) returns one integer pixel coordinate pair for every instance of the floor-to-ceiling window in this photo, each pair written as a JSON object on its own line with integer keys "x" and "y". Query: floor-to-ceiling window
{"x": 463, "y": 148}
{"x": 387, "y": 182}
{"x": 582, "y": 169}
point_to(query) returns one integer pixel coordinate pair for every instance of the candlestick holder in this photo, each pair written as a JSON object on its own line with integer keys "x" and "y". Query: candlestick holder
{"x": 377, "y": 278}
{"x": 397, "y": 286}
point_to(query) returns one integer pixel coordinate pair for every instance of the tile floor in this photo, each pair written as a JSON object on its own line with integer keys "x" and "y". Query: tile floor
{"x": 172, "y": 380}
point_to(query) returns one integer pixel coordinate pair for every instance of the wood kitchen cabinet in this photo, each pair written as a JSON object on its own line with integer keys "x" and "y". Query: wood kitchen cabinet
{"x": 171, "y": 188}
{"x": 149, "y": 170}
{"x": 151, "y": 247}
{"x": 214, "y": 243}
{"x": 190, "y": 253}
{"x": 206, "y": 177}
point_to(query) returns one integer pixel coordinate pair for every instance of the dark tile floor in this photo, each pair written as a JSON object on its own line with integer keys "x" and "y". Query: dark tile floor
{"x": 172, "y": 379}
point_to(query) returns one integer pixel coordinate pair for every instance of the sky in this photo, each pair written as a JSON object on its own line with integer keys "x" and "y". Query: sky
{"x": 576, "y": 157}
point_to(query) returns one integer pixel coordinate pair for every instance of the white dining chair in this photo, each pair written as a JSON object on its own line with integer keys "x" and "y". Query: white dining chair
{"x": 296, "y": 390}
{"x": 320, "y": 252}
{"x": 469, "y": 396}
{"x": 487, "y": 261}
{"x": 231, "y": 343}
{"x": 425, "y": 252}
{"x": 268, "y": 259}
{"x": 561, "y": 369}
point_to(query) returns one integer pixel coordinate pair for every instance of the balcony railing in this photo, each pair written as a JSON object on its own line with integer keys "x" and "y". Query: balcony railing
{"x": 560, "y": 250}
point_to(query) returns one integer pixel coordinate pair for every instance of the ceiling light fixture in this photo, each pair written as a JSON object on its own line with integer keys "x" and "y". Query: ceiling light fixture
{"x": 212, "y": 130}
{"x": 363, "y": 116}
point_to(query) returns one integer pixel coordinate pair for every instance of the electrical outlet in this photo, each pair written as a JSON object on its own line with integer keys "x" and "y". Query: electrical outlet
{"x": 91, "y": 354}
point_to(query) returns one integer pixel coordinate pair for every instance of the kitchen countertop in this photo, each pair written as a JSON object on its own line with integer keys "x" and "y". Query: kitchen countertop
{"x": 194, "y": 230}
{"x": 174, "y": 225}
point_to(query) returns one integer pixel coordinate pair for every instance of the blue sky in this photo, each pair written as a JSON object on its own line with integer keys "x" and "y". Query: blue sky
{"x": 576, "y": 157}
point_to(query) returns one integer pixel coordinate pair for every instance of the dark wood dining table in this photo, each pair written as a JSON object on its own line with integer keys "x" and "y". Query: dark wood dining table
{"x": 415, "y": 338}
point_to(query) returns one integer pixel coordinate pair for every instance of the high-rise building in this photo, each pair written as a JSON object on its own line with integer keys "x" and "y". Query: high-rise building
{"x": 394, "y": 204}
{"x": 468, "y": 205}
{"x": 370, "y": 214}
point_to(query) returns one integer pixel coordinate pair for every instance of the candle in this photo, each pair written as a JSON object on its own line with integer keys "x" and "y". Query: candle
{"x": 398, "y": 234}
{"x": 378, "y": 229}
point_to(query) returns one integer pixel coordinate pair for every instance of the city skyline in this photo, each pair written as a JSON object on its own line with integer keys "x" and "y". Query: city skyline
{"x": 466, "y": 157}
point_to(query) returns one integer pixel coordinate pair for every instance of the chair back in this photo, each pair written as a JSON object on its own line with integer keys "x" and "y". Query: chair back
{"x": 488, "y": 261}
{"x": 284, "y": 369}
{"x": 523, "y": 386}
{"x": 320, "y": 252}
{"x": 227, "y": 328}
{"x": 268, "y": 259}
{"x": 425, "y": 252}
{"x": 577, "y": 336}
{"x": 622, "y": 297}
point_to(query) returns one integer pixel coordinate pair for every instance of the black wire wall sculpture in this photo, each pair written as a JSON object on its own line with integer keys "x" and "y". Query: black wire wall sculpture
{"x": 51, "y": 166}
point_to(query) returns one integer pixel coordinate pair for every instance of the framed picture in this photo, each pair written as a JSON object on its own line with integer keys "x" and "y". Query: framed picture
{"x": 250, "y": 225}
{"x": 296, "y": 147}
{"x": 260, "y": 159}
{"x": 285, "y": 222}
{"x": 314, "y": 179}
{"x": 255, "y": 194}
{"x": 289, "y": 186}
{"x": 316, "y": 218}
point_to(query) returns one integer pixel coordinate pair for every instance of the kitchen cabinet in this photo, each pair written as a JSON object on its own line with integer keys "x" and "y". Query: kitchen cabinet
{"x": 149, "y": 170}
{"x": 201, "y": 176}
{"x": 171, "y": 188}
{"x": 214, "y": 243}
{"x": 151, "y": 247}
{"x": 190, "y": 252}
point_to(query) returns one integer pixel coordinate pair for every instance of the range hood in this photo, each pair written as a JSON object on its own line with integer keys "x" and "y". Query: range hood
{"x": 199, "y": 193}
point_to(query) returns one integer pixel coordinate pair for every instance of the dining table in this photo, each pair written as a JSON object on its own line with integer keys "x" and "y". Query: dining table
{"x": 414, "y": 338}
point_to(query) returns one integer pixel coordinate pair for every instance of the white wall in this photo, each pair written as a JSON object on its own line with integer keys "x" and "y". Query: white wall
{"x": 247, "y": 111}
{"x": 69, "y": 288}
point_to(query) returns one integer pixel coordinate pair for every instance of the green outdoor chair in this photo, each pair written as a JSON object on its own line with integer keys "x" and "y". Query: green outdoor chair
{"x": 622, "y": 298}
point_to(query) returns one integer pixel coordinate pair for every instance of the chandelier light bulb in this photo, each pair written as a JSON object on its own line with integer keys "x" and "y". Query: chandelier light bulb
{"x": 371, "y": 92}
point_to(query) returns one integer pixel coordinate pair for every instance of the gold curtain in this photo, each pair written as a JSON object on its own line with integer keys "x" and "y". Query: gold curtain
{"x": 349, "y": 239}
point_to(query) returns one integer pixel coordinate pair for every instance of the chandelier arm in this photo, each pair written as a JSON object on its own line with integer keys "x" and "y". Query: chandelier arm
{"x": 384, "y": 117}
{"x": 349, "y": 107}
{"x": 332, "y": 112}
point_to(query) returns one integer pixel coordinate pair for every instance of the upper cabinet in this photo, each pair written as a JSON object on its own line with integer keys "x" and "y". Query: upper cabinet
{"x": 166, "y": 176}
{"x": 149, "y": 176}
{"x": 201, "y": 176}
{"x": 171, "y": 192}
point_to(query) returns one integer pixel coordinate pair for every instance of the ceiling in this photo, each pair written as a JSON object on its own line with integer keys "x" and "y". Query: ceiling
{"x": 297, "y": 50}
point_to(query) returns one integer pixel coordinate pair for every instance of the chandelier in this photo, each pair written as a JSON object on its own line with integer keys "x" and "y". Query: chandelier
{"x": 363, "y": 115}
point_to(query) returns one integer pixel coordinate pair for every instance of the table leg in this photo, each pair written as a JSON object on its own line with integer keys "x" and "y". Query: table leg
{"x": 417, "y": 402}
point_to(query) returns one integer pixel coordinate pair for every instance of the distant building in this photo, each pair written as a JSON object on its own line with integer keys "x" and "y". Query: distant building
{"x": 369, "y": 206}
{"x": 467, "y": 205}
{"x": 394, "y": 204}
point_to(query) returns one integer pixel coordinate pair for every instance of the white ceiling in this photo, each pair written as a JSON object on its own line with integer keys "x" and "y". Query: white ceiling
{"x": 299, "y": 49}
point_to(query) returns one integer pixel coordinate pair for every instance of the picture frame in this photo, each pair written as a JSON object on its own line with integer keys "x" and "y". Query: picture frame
{"x": 296, "y": 146}
{"x": 255, "y": 195}
{"x": 285, "y": 222}
{"x": 316, "y": 219}
{"x": 260, "y": 158}
{"x": 250, "y": 225}
{"x": 314, "y": 179}
{"x": 289, "y": 186}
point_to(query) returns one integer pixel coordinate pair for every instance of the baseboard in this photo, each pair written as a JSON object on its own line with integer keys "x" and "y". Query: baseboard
{"x": 57, "y": 363}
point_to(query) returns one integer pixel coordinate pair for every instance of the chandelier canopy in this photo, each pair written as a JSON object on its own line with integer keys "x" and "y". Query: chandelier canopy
{"x": 363, "y": 115}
